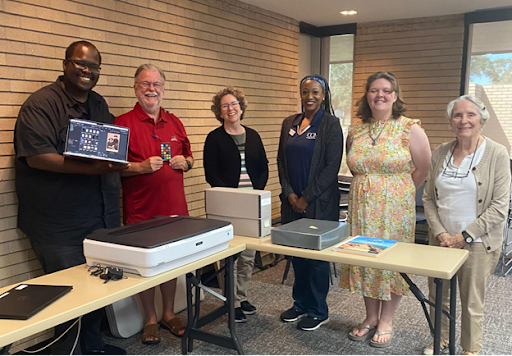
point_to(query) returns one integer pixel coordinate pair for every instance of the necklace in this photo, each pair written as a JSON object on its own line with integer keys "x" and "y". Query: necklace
{"x": 374, "y": 139}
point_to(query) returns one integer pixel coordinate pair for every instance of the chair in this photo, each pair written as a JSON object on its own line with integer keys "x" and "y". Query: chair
{"x": 507, "y": 241}
{"x": 421, "y": 230}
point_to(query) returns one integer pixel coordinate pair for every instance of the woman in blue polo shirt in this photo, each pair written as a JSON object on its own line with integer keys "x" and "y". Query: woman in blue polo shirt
{"x": 309, "y": 158}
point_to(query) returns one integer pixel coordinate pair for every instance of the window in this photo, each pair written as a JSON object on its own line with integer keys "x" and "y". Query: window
{"x": 341, "y": 67}
{"x": 490, "y": 76}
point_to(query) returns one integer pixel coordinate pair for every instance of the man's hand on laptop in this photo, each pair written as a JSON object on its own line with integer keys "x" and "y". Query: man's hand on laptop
{"x": 102, "y": 167}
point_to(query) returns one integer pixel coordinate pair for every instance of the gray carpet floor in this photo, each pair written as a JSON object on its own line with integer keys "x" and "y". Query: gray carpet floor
{"x": 265, "y": 334}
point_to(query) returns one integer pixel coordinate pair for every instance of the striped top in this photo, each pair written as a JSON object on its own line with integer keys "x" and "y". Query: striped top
{"x": 245, "y": 180}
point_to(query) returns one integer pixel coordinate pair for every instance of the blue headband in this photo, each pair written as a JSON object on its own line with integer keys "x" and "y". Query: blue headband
{"x": 317, "y": 78}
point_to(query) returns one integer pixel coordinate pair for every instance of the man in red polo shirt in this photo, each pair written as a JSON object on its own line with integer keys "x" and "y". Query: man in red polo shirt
{"x": 159, "y": 152}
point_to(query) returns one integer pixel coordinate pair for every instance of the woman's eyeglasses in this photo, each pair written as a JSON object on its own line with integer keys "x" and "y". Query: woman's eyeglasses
{"x": 457, "y": 174}
{"x": 233, "y": 104}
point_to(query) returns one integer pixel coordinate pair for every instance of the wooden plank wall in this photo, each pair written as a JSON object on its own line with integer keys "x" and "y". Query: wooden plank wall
{"x": 202, "y": 45}
{"x": 425, "y": 54}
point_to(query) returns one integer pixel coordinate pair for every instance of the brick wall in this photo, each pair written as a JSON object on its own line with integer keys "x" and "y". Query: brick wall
{"x": 202, "y": 45}
{"x": 498, "y": 100}
{"x": 425, "y": 54}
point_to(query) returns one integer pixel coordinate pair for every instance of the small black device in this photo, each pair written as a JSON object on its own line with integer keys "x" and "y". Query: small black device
{"x": 165, "y": 151}
{"x": 467, "y": 237}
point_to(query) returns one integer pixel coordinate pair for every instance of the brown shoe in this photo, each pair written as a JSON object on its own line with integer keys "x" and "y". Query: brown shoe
{"x": 174, "y": 326}
{"x": 150, "y": 335}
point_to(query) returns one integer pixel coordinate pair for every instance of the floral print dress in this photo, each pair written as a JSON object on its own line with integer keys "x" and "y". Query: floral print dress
{"x": 381, "y": 201}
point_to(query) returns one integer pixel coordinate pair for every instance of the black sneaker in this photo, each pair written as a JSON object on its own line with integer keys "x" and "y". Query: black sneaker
{"x": 291, "y": 314}
{"x": 248, "y": 308}
{"x": 106, "y": 350}
{"x": 240, "y": 316}
{"x": 309, "y": 323}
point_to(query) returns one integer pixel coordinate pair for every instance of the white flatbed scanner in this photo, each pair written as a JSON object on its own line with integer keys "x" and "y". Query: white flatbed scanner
{"x": 152, "y": 247}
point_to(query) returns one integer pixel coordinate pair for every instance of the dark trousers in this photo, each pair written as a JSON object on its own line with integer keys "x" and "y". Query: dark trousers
{"x": 311, "y": 283}
{"x": 56, "y": 258}
{"x": 311, "y": 287}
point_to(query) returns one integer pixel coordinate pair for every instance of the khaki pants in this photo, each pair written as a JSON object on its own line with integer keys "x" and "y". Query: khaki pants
{"x": 243, "y": 272}
{"x": 472, "y": 278}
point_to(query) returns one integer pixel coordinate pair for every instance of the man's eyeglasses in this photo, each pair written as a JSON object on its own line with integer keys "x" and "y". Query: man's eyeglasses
{"x": 156, "y": 85}
{"x": 233, "y": 104}
{"x": 84, "y": 64}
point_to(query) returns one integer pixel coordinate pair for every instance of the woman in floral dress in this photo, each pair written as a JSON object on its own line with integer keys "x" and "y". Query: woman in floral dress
{"x": 389, "y": 157}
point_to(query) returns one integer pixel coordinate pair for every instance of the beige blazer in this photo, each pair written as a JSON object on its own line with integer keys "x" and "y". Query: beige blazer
{"x": 492, "y": 175}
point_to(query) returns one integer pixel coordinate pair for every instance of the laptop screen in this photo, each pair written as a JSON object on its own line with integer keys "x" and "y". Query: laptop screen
{"x": 90, "y": 139}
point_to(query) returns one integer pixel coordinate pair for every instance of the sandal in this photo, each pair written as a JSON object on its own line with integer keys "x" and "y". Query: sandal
{"x": 369, "y": 334}
{"x": 382, "y": 344}
{"x": 174, "y": 326}
{"x": 467, "y": 352}
{"x": 443, "y": 348}
{"x": 150, "y": 335}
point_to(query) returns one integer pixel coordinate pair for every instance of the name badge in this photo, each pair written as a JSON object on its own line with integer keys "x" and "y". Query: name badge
{"x": 292, "y": 132}
{"x": 311, "y": 136}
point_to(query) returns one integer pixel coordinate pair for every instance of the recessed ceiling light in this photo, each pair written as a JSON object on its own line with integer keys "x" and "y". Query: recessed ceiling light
{"x": 348, "y": 12}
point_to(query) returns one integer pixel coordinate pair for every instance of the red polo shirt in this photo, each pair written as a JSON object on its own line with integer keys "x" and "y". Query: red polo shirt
{"x": 161, "y": 192}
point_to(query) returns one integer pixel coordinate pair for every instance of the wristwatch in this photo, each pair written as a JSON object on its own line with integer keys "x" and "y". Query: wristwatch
{"x": 189, "y": 165}
{"x": 467, "y": 237}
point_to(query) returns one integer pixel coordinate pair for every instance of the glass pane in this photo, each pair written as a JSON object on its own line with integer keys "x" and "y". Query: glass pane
{"x": 340, "y": 80}
{"x": 490, "y": 77}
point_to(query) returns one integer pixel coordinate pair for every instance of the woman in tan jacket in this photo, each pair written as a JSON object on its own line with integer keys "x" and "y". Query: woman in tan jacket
{"x": 466, "y": 202}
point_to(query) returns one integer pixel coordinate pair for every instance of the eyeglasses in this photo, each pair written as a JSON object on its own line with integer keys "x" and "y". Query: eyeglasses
{"x": 156, "y": 85}
{"x": 456, "y": 174}
{"x": 233, "y": 104}
{"x": 376, "y": 91}
{"x": 84, "y": 64}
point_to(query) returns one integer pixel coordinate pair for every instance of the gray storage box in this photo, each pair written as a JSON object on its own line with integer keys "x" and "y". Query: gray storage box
{"x": 310, "y": 233}
{"x": 246, "y": 227}
{"x": 238, "y": 203}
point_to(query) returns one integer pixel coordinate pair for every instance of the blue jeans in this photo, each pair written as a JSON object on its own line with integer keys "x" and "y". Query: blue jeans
{"x": 311, "y": 287}
{"x": 311, "y": 283}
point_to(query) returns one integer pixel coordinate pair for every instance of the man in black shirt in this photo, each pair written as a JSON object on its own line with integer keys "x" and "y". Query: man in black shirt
{"x": 61, "y": 200}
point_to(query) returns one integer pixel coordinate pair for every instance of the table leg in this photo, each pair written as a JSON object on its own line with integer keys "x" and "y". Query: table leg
{"x": 438, "y": 313}
{"x": 190, "y": 316}
{"x": 195, "y": 322}
{"x": 453, "y": 306}
{"x": 230, "y": 293}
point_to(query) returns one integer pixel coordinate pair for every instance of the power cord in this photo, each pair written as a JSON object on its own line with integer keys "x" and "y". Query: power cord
{"x": 79, "y": 321}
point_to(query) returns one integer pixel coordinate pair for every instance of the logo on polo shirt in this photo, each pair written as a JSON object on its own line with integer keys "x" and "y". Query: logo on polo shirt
{"x": 173, "y": 138}
{"x": 311, "y": 135}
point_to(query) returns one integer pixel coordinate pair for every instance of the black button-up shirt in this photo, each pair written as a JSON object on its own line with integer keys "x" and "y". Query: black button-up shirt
{"x": 57, "y": 208}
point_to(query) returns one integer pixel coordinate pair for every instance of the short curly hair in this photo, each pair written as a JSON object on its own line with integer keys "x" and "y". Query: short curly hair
{"x": 237, "y": 93}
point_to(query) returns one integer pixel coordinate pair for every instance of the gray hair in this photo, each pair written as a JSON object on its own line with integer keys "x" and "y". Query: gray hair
{"x": 484, "y": 114}
{"x": 148, "y": 66}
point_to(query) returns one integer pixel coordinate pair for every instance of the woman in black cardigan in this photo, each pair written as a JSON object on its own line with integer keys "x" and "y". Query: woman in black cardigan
{"x": 308, "y": 160}
{"x": 234, "y": 157}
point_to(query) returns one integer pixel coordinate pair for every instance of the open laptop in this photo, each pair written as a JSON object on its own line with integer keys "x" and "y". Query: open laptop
{"x": 26, "y": 300}
{"x": 96, "y": 140}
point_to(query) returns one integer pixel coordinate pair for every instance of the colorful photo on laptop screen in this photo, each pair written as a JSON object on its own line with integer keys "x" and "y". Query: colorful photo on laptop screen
{"x": 95, "y": 140}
